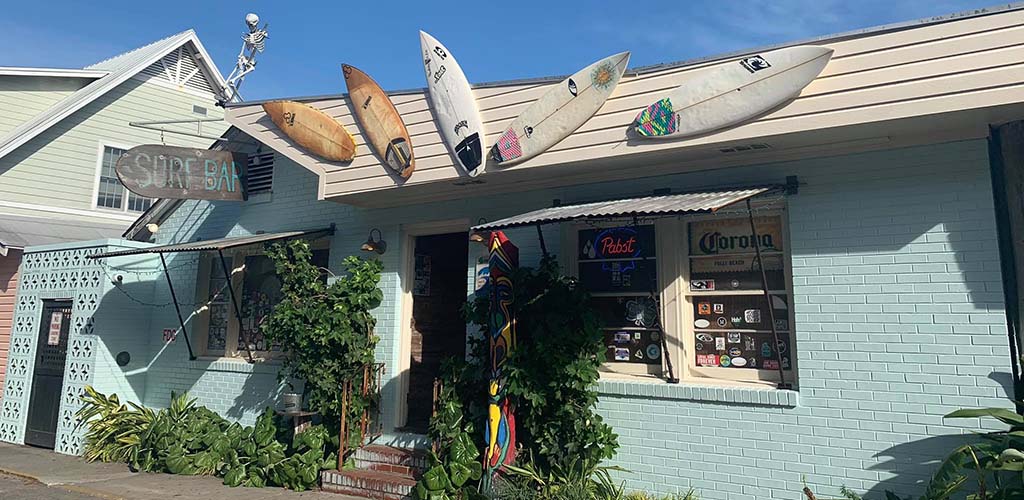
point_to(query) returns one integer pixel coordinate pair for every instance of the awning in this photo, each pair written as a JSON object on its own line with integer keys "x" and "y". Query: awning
{"x": 695, "y": 202}
{"x": 19, "y": 231}
{"x": 218, "y": 244}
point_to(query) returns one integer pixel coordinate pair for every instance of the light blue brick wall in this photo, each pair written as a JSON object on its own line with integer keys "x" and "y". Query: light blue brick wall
{"x": 899, "y": 319}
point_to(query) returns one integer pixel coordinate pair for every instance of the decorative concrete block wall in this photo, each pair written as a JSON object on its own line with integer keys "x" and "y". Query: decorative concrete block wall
{"x": 56, "y": 272}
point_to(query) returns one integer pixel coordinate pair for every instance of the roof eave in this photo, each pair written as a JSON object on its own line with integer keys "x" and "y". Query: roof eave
{"x": 30, "y": 130}
{"x": 52, "y": 72}
{"x": 835, "y": 37}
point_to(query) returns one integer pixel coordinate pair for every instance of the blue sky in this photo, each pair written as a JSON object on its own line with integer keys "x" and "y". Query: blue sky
{"x": 492, "y": 40}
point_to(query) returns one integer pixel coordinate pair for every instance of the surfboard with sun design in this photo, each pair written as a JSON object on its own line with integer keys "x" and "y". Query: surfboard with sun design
{"x": 560, "y": 111}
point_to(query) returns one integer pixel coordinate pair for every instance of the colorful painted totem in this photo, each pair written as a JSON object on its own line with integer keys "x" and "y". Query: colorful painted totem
{"x": 501, "y": 424}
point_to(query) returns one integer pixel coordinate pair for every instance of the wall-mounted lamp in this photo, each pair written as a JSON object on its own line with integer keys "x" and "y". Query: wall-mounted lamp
{"x": 476, "y": 236}
{"x": 379, "y": 245}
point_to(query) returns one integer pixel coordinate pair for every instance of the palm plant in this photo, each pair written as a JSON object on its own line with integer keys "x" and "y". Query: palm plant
{"x": 115, "y": 429}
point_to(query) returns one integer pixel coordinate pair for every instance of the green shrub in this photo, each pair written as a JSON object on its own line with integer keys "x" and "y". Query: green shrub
{"x": 189, "y": 439}
{"x": 553, "y": 371}
{"x": 551, "y": 384}
{"x": 326, "y": 331}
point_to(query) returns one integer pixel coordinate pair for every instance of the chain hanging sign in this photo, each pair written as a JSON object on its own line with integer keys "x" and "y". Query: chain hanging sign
{"x": 172, "y": 172}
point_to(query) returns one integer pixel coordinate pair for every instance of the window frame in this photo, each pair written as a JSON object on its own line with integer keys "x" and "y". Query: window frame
{"x": 664, "y": 237}
{"x": 236, "y": 267}
{"x": 676, "y": 300}
{"x": 100, "y": 150}
{"x": 693, "y": 372}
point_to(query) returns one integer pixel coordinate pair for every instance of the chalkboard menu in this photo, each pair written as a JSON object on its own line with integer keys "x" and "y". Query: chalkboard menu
{"x": 731, "y": 321}
{"x": 618, "y": 266}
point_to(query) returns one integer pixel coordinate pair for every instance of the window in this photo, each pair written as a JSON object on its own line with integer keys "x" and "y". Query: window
{"x": 731, "y": 319}
{"x": 618, "y": 265}
{"x": 111, "y": 193}
{"x": 258, "y": 290}
{"x": 695, "y": 281}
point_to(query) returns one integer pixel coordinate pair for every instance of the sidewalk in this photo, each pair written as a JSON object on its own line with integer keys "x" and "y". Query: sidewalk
{"x": 115, "y": 481}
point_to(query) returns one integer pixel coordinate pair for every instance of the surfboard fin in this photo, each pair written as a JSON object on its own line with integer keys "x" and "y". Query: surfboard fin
{"x": 470, "y": 152}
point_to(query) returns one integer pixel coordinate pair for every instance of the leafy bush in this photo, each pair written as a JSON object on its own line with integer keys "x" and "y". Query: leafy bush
{"x": 189, "y": 439}
{"x": 996, "y": 462}
{"x": 577, "y": 480}
{"x": 326, "y": 330}
{"x": 456, "y": 466}
{"x": 551, "y": 384}
{"x": 553, "y": 372}
{"x": 114, "y": 428}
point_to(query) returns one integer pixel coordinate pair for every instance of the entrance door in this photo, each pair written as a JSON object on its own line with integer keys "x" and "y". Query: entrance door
{"x": 48, "y": 378}
{"x": 438, "y": 329}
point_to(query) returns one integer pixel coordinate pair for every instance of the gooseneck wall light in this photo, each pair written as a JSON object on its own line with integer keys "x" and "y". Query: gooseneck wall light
{"x": 378, "y": 246}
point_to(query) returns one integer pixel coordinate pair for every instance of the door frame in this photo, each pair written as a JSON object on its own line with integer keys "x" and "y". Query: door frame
{"x": 38, "y": 344}
{"x": 408, "y": 233}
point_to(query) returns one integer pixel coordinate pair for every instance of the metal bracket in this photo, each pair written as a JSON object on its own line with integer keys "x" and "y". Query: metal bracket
{"x": 150, "y": 125}
{"x": 177, "y": 308}
{"x": 234, "y": 303}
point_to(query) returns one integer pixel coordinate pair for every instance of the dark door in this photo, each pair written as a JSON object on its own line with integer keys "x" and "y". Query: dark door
{"x": 440, "y": 287}
{"x": 48, "y": 378}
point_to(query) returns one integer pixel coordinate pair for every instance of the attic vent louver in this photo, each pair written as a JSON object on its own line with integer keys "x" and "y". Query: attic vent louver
{"x": 745, "y": 148}
{"x": 180, "y": 68}
{"x": 261, "y": 172}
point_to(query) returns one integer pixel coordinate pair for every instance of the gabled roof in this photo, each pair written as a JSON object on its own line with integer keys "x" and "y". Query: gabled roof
{"x": 117, "y": 70}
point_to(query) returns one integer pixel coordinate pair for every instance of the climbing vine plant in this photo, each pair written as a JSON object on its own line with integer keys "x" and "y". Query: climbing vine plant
{"x": 326, "y": 330}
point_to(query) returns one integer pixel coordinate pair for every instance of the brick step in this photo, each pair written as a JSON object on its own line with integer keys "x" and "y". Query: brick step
{"x": 402, "y": 470}
{"x": 374, "y": 457}
{"x": 368, "y": 484}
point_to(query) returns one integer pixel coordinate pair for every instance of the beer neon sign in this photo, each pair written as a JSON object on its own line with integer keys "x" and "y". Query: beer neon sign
{"x": 615, "y": 243}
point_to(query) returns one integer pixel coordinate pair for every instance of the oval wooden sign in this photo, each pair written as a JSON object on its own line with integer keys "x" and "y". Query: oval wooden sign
{"x": 157, "y": 171}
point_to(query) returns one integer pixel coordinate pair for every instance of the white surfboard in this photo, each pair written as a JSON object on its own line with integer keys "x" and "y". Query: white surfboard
{"x": 559, "y": 112}
{"x": 454, "y": 106}
{"x": 727, "y": 94}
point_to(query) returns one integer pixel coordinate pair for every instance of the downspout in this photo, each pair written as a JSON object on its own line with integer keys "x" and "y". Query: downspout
{"x": 1007, "y": 260}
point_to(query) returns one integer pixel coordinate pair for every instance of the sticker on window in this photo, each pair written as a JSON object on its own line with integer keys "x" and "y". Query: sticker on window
{"x": 702, "y": 285}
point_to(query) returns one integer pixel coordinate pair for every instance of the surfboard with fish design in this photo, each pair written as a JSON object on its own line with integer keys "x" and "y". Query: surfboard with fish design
{"x": 452, "y": 100}
{"x": 731, "y": 93}
{"x": 559, "y": 112}
{"x": 380, "y": 122}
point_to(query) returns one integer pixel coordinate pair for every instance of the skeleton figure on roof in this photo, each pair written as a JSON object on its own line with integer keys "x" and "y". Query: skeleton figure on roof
{"x": 253, "y": 43}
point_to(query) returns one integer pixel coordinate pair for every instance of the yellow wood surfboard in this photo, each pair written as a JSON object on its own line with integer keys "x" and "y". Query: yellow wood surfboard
{"x": 380, "y": 122}
{"x": 312, "y": 129}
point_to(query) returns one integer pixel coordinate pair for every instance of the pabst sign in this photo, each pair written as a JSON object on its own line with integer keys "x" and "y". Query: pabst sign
{"x": 615, "y": 243}
{"x": 734, "y": 236}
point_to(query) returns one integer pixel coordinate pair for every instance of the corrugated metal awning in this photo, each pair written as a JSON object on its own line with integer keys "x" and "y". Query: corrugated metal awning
{"x": 18, "y": 232}
{"x": 695, "y": 202}
{"x": 218, "y": 244}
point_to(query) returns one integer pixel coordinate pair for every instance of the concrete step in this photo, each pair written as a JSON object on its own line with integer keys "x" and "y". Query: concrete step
{"x": 373, "y": 484}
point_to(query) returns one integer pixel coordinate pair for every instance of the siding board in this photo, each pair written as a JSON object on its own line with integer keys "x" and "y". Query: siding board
{"x": 8, "y": 287}
{"x": 58, "y": 167}
{"x": 964, "y": 64}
